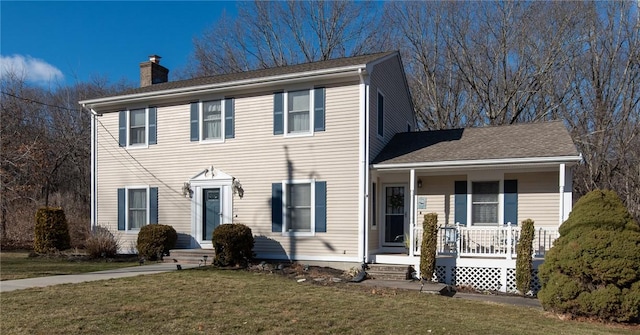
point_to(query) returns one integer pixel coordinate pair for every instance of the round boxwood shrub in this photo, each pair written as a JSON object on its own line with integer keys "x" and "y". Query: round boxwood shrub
{"x": 593, "y": 269}
{"x": 51, "y": 230}
{"x": 233, "y": 245}
{"x": 155, "y": 240}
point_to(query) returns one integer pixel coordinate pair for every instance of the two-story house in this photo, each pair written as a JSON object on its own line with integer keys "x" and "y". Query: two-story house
{"x": 321, "y": 160}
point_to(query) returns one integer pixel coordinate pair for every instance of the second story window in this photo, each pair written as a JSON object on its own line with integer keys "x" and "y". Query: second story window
{"x": 137, "y": 127}
{"x": 298, "y": 112}
{"x": 211, "y": 120}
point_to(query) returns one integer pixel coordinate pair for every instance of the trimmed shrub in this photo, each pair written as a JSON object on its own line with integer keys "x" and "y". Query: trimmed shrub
{"x": 429, "y": 245}
{"x": 101, "y": 243}
{"x": 593, "y": 269}
{"x": 51, "y": 230}
{"x": 233, "y": 245}
{"x": 155, "y": 240}
{"x": 524, "y": 260}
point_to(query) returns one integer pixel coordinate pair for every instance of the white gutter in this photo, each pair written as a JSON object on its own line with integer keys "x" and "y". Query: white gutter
{"x": 479, "y": 162}
{"x": 190, "y": 90}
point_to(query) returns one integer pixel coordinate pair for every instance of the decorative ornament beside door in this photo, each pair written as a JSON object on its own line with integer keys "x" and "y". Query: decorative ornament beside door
{"x": 186, "y": 190}
{"x": 237, "y": 188}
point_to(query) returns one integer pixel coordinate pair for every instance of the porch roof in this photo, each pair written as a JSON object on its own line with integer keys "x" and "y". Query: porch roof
{"x": 521, "y": 143}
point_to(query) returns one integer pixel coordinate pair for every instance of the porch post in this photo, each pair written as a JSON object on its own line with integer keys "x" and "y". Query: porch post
{"x": 412, "y": 182}
{"x": 561, "y": 191}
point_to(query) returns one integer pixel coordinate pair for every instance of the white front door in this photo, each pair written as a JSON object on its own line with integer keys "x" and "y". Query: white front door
{"x": 395, "y": 222}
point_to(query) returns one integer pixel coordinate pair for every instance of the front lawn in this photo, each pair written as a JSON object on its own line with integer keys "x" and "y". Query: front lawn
{"x": 209, "y": 301}
{"x": 18, "y": 265}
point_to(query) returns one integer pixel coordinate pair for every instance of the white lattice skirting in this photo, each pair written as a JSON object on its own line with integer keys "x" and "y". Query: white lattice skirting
{"x": 483, "y": 274}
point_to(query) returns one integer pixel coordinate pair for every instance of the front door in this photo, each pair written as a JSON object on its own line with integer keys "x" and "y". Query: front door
{"x": 394, "y": 215}
{"x": 210, "y": 212}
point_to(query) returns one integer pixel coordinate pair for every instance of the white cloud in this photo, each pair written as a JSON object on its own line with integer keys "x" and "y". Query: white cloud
{"x": 31, "y": 69}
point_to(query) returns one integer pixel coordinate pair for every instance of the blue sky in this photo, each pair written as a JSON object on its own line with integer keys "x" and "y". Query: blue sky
{"x": 58, "y": 43}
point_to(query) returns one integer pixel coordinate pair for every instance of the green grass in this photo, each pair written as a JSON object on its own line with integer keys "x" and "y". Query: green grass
{"x": 17, "y": 265}
{"x": 207, "y": 301}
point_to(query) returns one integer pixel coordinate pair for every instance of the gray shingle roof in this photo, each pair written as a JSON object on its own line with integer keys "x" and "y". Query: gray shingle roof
{"x": 263, "y": 73}
{"x": 550, "y": 139}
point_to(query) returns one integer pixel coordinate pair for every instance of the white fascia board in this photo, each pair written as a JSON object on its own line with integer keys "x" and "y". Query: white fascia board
{"x": 481, "y": 163}
{"x": 247, "y": 83}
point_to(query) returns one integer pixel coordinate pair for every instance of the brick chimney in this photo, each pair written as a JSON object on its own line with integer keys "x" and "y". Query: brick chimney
{"x": 152, "y": 72}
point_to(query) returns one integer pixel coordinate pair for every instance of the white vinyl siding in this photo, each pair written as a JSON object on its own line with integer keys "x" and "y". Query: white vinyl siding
{"x": 252, "y": 156}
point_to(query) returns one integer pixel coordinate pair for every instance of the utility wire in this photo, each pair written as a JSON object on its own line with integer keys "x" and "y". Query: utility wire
{"x": 103, "y": 126}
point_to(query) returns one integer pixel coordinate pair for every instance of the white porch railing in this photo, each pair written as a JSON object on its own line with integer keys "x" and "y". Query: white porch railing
{"x": 493, "y": 242}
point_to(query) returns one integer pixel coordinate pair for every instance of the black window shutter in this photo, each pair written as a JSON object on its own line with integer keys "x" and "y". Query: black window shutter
{"x": 153, "y": 205}
{"x": 511, "y": 201}
{"x": 321, "y": 207}
{"x": 229, "y": 111}
{"x": 195, "y": 124}
{"x": 276, "y": 207}
{"x": 460, "y": 201}
{"x": 121, "y": 208}
{"x": 278, "y": 113}
{"x": 122, "y": 128}
{"x": 153, "y": 132}
{"x": 319, "y": 109}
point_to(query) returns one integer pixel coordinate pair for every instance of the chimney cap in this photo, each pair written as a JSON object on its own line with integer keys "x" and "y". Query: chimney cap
{"x": 154, "y": 59}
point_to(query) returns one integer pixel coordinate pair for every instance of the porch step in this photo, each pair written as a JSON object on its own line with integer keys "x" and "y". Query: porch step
{"x": 388, "y": 271}
{"x": 189, "y": 256}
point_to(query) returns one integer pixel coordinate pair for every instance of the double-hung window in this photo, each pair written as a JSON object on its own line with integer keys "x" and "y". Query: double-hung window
{"x": 137, "y": 208}
{"x": 485, "y": 200}
{"x": 299, "y": 205}
{"x": 298, "y": 112}
{"x": 137, "y": 127}
{"x": 212, "y": 120}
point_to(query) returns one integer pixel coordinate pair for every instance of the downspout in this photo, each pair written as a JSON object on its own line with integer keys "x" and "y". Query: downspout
{"x": 94, "y": 165}
{"x": 364, "y": 110}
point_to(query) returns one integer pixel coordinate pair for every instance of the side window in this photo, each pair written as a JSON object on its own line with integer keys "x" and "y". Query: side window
{"x": 211, "y": 120}
{"x": 299, "y": 112}
{"x": 380, "y": 114}
{"x": 299, "y": 207}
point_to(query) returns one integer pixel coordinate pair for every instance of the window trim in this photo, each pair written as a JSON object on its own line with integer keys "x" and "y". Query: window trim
{"x": 146, "y": 129}
{"x": 312, "y": 213}
{"x": 223, "y": 114}
{"x": 285, "y": 106}
{"x": 488, "y": 178}
{"x": 378, "y": 116}
{"x": 126, "y": 208}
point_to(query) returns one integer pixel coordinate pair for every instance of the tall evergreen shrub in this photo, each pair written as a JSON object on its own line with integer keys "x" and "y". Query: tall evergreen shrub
{"x": 524, "y": 260}
{"x": 429, "y": 245}
{"x": 51, "y": 230}
{"x": 593, "y": 269}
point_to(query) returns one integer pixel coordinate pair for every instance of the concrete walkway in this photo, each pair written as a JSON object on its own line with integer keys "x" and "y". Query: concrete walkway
{"x": 18, "y": 284}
